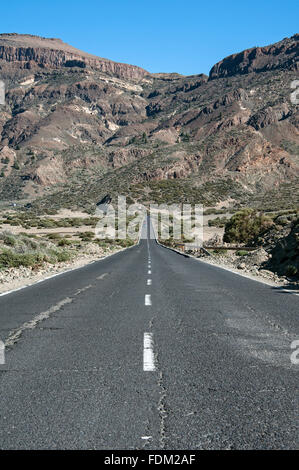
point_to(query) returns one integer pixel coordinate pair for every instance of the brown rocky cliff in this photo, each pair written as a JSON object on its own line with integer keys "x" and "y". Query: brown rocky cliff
{"x": 33, "y": 51}
{"x": 70, "y": 125}
{"x": 283, "y": 54}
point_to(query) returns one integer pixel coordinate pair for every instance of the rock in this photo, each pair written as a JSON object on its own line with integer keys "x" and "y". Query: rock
{"x": 73, "y": 114}
{"x": 216, "y": 240}
{"x": 266, "y": 273}
{"x": 24, "y": 49}
{"x": 258, "y": 59}
{"x": 269, "y": 115}
{"x": 257, "y": 257}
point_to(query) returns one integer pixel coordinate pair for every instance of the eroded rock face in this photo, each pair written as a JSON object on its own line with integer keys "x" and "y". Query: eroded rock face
{"x": 81, "y": 121}
{"x": 285, "y": 252}
{"x": 268, "y": 116}
{"x": 283, "y": 54}
{"x": 29, "y": 52}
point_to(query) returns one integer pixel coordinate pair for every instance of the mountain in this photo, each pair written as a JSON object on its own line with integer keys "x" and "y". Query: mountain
{"x": 76, "y": 127}
{"x": 280, "y": 56}
{"x": 24, "y": 51}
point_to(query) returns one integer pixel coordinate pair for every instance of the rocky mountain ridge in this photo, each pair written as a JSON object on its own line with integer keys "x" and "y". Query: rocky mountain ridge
{"x": 283, "y": 54}
{"x": 70, "y": 133}
{"x": 30, "y": 52}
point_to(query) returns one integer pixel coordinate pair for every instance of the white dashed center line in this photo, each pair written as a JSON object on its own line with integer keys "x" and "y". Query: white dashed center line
{"x": 148, "y": 353}
{"x": 102, "y": 276}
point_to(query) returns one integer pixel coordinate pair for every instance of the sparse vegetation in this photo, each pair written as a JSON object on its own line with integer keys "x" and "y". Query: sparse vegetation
{"x": 218, "y": 222}
{"x": 242, "y": 253}
{"x": 21, "y": 250}
{"x": 291, "y": 270}
{"x": 246, "y": 225}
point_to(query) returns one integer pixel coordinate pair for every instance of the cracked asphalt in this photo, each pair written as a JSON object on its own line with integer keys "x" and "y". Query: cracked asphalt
{"x": 74, "y": 375}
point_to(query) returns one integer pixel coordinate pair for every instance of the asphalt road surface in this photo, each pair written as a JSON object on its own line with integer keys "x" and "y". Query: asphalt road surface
{"x": 149, "y": 349}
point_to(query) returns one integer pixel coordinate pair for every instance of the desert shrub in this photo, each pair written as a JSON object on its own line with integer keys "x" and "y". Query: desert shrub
{"x": 15, "y": 223}
{"x": 46, "y": 223}
{"x": 124, "y": 243}
{"x": 29, "y": 252}
{"x": 291, "y": 270}
{"x": 105, "y": 241}
{"x": 86, "y": 235}
{"x": 28, "y": 243}
{"x": 218, "y": 222}
{"x": 28, "y": 235}
{"x": 63, "y": 256}
{"x": 64, "y": 242}
{"x": 245, "y": 225}
{"x": 9, "y": 259}
{"x": 242, "y": 253}
{"x": 8, "y": 239}
{"x": 54, "y": 236}
{"x": 212, "y": 210}
{"x": 219, "y": 251}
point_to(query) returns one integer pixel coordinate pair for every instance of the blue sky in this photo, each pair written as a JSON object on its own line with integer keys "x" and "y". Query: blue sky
{"x": 162, "y": 36}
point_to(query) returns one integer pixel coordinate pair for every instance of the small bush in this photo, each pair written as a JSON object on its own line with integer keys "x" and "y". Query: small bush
{"x": 245, "y": 225}
{"x": 218, "y": 222}
{"x": 64, "y": 242}
{"x": 124, "y": 243}
{"x": 242, "y": 253}
{"x": 31, "y": 244}
{"x": 219, "y": 251}
{"x": 8, "y": 259}
{"x": 54, "y": 236}
{"x": 86, "y": 236}
{"x": 63, "y": 256}
{"x": 9, "y": 240}
{"x": 291, "y": 270}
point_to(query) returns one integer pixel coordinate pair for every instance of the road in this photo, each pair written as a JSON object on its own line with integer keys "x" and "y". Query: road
{"x": 149, "y": 349}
